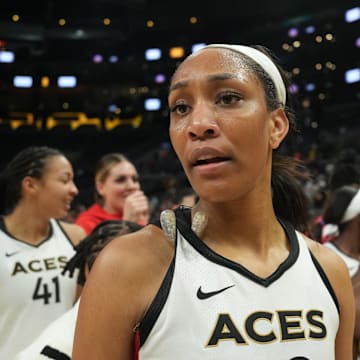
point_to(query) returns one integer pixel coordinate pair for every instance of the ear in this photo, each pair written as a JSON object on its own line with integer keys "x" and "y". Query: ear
{"x": 99, "y": 187}
{"x": 30, "y": 184}
{"x": 279, "y": 127}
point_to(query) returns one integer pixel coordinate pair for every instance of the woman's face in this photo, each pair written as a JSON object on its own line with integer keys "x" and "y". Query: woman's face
{"x": 56, "y": 188}
{"x": 220, "y": 127}
{"x": 121, "y": 181}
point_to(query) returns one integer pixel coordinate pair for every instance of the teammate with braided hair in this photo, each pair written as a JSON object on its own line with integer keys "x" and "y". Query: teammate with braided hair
{"x": 36, "y": 191}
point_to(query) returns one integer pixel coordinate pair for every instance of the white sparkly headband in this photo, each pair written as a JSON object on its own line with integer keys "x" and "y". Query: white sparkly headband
{"x": 353, "y": 209}
{"x": 264, "y": 61}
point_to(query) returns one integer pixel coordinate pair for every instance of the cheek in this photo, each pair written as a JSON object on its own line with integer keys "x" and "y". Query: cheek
{"x": 250, "y": 129}
{"x": 112, "y": 190}
{"x": 177, "y": 137}
{"x": 178, "y": 126}
{"x": 250, "y": 140}
{"x": 118, "y": 189}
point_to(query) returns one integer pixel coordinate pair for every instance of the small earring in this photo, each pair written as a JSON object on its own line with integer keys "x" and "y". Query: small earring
{"x": 168, "y": 224}
{"x": 199, "y": 223}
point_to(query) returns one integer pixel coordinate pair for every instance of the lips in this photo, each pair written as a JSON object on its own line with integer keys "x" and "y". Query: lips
{"x": 69, "y": 202}
{"x": 207, "y": 155}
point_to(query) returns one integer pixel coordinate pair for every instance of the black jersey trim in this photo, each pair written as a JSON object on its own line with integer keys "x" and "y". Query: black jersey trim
{"x": 4, "y": 229}
{"x": 183, "y": 223}
{"x": 52, "y": 353}
{"x": 64, "y": 232}
{"x": 157, "y": 305}
{"x": 159, "y": 301}
{"x": 326, "y": 281}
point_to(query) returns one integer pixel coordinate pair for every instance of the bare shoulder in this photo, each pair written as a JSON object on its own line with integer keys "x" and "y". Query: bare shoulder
{"x": 333, "y": 265}
{"x": 140, "y": 249}
{"x": 339, "y": 278}
{"x": 122, "y": 284}
{"x": 328, "y": 259}
{"x": 75, "y": 232}
{"x": 138, "y": 261}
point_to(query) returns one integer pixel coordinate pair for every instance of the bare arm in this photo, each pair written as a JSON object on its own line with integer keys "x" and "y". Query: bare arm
{"x": 121, "y": 286}
{"x": 338, "y": 275}
{"x": 75, "y": 232}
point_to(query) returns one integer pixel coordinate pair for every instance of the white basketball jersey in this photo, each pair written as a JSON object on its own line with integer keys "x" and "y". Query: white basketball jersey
{"x": 33, "y": 291}
{"x": 211, "y": 308}
{"x": 57, "y": 338}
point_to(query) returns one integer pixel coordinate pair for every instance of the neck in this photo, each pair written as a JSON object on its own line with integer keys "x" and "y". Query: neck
{"x": 110, "y": 210}
{"x": 244, "y": 225}
{"x": 27, "y": 226}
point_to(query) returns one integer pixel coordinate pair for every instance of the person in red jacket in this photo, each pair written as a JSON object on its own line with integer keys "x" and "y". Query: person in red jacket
{"x": 118, "y": 195}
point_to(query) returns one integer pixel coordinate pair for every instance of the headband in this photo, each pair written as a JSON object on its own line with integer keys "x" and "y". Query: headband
{"x": 353, "y": 209}
{"x": 264, "y": 61}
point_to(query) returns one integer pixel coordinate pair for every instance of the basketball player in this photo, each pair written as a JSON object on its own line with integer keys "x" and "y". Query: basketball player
{"x": 56, "y": 340}
{"x": 231, "y": 278}
{"x": 36, "y": 188}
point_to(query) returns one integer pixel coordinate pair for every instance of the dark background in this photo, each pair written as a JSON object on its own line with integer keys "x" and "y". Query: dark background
{"x": 328, "y": 116}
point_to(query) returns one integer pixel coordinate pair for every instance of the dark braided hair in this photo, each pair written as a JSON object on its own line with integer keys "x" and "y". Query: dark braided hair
{"x": 89, "y": 248}
{"x": 288, "y": 174}
{"x": 29, "y": 162}
{"x": 289, "y": 199}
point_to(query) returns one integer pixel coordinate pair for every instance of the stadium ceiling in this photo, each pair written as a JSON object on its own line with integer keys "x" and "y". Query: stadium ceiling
{"x": 45, "y": 48}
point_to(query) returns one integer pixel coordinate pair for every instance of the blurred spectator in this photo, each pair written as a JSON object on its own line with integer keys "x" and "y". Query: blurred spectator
{"x": 345, "y": 171}
{"x": 343, "y": 210}
{"x": 118, "y": 195}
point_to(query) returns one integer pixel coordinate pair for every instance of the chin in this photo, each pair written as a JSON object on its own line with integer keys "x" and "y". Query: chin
{"x": 61, "y": 215}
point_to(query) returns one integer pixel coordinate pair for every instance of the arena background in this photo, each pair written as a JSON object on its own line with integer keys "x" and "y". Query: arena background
{"x": 102, "y": 44}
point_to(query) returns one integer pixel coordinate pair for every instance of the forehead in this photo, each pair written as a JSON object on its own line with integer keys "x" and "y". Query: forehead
{"x": 57, "y": 163}
{"x": 214, "y": 61}
{"x": 122, "y": 168}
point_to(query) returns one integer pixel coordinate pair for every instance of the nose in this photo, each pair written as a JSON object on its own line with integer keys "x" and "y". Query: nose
{"x": 132, "y": 184}
{"x": 73, "y": 189}
{"x": 203, "y": 124}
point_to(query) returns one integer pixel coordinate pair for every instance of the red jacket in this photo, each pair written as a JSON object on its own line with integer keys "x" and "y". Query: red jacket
{"x": 94, "y": 215}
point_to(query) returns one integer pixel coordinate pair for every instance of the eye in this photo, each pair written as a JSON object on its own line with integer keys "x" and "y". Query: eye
{"x": 180, "y": 108}
{"x": 228, "y": 98}
{"x": 121, "y": 179}
{"x": 66, "y": 179}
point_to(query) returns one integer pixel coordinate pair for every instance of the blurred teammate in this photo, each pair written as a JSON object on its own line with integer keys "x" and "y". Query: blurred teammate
{"x": 36, "y": 188}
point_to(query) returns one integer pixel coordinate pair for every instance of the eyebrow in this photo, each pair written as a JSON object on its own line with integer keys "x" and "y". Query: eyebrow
{"x": 210, "y": 78}
{"x": 67, "y": 174}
